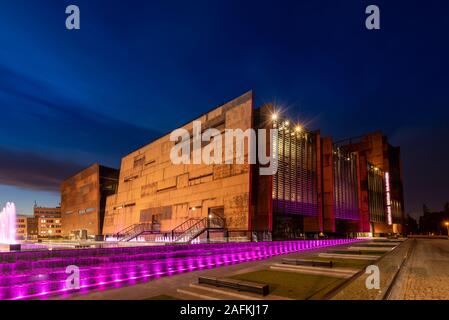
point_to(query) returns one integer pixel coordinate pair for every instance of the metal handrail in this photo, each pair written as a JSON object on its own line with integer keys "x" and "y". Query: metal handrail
{"x": 134, "y": 230}
{"x": 199, "y": 227}
{"x": 186, "y": 225}
{"x": 125, "y": 230}
{"x": 191, "y": 228}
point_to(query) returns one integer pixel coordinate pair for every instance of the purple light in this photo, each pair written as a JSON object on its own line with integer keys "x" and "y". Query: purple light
{"x": 40, "y": 274}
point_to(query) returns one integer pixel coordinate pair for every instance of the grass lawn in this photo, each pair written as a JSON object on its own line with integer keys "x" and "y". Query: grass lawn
{"x": 345, "y": 263}
{"x": 162, "y": 297}
{"x": 292, "y": 285}
{"x": 373, "y": 252}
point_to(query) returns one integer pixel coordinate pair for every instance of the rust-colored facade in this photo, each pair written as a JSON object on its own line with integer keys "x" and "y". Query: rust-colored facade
{"x": 320, "y": 187}
{"x": 83, "y": 200}
{"x": 380, "y": 183}
{"x": 154, "y": 190}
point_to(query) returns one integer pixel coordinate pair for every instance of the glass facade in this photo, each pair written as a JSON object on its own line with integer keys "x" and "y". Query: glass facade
{"x": 396, "y": 211}
{"x": 346, "y": 202}
{"x": 295, "y": 184}
{"x": 376, "y": 194}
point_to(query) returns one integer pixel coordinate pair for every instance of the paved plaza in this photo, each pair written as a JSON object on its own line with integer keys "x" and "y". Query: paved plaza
{"x": 425, "y": 275}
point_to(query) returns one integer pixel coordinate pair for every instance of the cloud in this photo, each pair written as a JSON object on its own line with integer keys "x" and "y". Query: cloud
{"x": 36, "y": 115}
{"x": 32, "y": 171}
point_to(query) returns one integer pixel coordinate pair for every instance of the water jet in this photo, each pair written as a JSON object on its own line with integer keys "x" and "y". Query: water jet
{"x": 8, "y": 228}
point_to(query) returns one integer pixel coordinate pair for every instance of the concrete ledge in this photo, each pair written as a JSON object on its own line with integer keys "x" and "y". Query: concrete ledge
{"x": 349, "y": 256}
{"x": 337, "y": 273}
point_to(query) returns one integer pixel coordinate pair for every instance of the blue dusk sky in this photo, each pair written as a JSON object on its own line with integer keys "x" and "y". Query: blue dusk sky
{"x": 137, "y": 69}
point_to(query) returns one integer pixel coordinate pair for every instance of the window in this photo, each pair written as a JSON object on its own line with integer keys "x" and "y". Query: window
{"x": 130, "y": 205}
{"x": 139, "y": 161}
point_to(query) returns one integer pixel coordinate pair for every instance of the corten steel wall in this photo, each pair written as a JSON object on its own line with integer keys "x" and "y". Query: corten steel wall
{"x": 262, "y": 185}
{"x": 328, "y": 185}
{"x": 83, "y": 197}
{"x": 314, "y": 223}
{"x": 362, "y": 173}
{"x": 153, "y": 189}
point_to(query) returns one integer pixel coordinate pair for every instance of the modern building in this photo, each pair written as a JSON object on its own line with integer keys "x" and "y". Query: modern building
{"x": 320, "y": 188}
{"x": 83, "y": 200}
{"x": 153, "y": 190}
{"x": 381, "y": 187}
{"x": 48, "y": 222}
{"x": 27, "y": 227}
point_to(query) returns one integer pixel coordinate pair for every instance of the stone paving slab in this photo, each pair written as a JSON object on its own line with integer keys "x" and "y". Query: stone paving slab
{"x": 425, "y": 275}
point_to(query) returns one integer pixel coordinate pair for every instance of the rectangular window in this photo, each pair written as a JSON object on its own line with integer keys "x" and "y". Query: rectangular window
{"x": 139, "y": 161}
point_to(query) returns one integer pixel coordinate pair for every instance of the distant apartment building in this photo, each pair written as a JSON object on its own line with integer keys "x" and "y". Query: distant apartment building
{"x": 49, "y": 224}
{"x": 26, "y": 227}
{"x": 83, "y": 200}
{"x": 21, "y": 227}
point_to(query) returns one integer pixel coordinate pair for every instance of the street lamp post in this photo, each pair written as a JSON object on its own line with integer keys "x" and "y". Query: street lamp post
{"x": 447, "y": 227}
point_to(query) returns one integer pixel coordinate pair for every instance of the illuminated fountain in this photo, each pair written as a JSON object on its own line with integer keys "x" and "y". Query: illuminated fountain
{"x": 8, "y": 228}
{"x": 40, "y": 274}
